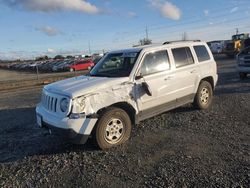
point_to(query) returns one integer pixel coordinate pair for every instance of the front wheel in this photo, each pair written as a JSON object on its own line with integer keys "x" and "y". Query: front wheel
{"x": 113, "y": 128}
{"x": 204, "y": 96}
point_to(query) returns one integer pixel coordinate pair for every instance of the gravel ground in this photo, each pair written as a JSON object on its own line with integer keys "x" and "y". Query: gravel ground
{"x": 181, "y": 148}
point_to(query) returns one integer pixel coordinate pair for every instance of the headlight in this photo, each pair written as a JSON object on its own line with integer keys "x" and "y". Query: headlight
{"x": 64, "y": 105}
{"x": 80, "y": 104}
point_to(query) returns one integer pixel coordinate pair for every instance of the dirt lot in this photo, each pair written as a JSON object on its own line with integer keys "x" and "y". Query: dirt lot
{"x": 13, "y": 75}
{"x": 13, "y": 79}
{"x": 181, "y": 148}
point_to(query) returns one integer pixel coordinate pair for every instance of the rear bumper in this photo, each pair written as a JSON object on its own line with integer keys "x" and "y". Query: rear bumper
{"x": 216, "y": 80}
{"x": 75, "y": 130}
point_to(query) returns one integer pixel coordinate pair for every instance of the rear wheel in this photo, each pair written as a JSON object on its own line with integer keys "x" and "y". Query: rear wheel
{"x": 71, "y": 70}
{"x": 113, "y": 128}
{"x": 242, "y": 75}
{"x": 204, "y": 96}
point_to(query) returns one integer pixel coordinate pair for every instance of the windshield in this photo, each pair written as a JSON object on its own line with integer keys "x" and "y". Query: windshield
{"x": 115, "y": 65}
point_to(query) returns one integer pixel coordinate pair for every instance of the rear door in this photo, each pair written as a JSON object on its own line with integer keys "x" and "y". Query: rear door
{"x": 186, "y": 74}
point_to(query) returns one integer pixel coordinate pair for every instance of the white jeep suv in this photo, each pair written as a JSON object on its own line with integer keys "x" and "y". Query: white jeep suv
{"x": 149, "y": 80}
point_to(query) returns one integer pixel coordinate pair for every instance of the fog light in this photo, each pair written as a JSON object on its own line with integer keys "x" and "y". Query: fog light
{"x": 76, "y": 116}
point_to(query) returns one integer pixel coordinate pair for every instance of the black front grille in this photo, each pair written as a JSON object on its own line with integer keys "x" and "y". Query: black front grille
{"x": 49, "y": 102}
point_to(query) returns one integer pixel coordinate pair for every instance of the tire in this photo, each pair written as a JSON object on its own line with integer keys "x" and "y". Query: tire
{"x": 204, "y": 96}
{"x": 113, "y": 128}
{"x": 71, "y": 70}
{"x": 242, "y": 75}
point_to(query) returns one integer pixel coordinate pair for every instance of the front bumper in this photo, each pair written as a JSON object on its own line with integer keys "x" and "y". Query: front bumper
{"x": 68, "y": 134}
{"x": 75, "y": 130}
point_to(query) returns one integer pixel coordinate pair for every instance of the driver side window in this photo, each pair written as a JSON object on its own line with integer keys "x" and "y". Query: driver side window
{"x": 155, "y": 62}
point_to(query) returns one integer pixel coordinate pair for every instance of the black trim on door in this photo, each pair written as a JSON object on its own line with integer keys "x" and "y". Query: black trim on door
{"x": 151, "y": 112}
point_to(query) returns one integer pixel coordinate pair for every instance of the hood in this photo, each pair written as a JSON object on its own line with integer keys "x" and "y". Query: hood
{"x": 82, "y": 85}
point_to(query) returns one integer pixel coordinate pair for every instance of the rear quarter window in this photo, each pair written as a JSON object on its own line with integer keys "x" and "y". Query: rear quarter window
{"x": 202, "y": 53}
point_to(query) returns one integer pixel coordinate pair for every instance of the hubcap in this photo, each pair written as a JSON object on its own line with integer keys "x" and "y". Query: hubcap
{"x": 114, "y": 131}
{"x": 204, "y": 96}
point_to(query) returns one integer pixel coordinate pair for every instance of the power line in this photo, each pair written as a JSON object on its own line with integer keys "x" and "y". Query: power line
{"x": 219, "y": 10}
{"x": 188, "y": 28}
{"x": 186, "y": 23}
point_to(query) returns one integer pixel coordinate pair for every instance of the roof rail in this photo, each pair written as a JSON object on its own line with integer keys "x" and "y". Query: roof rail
{"x": 170, "y": 42}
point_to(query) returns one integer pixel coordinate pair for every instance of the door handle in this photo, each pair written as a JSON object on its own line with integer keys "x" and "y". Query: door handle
{"x": 169, "y": 77}
{"x": 193, "y": 71}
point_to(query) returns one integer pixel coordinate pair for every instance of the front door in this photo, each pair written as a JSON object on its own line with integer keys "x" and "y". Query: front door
{"x": 155, "y": 71}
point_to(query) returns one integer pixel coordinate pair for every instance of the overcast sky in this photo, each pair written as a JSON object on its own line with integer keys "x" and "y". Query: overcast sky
{"x": 35, "y": 27}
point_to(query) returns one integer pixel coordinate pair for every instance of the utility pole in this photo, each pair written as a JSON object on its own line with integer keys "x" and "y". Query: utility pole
{"x": 89, "y": 49}
{"x": 146, "y": 32}
{"x": 184, "y": 36}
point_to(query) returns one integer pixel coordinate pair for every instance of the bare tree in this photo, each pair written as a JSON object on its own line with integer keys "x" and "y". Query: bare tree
{"x": 145, "y": 41}
{"x": 58, "y": 57}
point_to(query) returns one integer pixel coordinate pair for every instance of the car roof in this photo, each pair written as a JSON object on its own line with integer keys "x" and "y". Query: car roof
{"x": 138, "y": 49}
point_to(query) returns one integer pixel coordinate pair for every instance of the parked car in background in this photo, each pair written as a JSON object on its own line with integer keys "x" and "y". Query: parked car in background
{"x": 216, "y": 47}
{"x": 56, "y": 65}
{"x": 96, "y": 59}
{"x": 243, "y": 62}
{"x": 82, "y": 65}
{"x": 66, "y": 66}
{"x": 60, "y": 67}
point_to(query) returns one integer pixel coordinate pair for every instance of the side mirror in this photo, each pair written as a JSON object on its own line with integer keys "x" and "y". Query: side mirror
{"x": 138, "y": 77}
{"x": 147, "y": 89}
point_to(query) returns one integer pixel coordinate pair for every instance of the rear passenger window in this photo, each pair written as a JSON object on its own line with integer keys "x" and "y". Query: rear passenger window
{"x": 202, "y": 53}
{"x": 155, "y": 62}
{"x": 182, "y": 56}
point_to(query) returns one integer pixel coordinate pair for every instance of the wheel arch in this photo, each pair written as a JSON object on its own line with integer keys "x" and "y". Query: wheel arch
{"x": 209, "y": 79}
{"x": 128, "y": 108}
